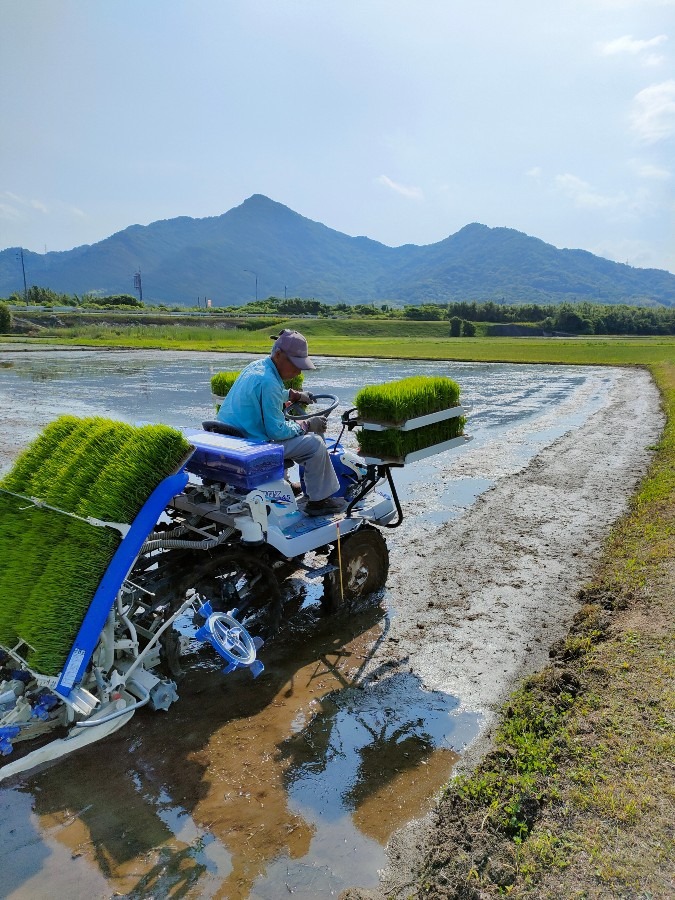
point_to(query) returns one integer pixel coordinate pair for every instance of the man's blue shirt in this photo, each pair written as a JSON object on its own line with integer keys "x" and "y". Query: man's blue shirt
{"x": 255, "y": 402}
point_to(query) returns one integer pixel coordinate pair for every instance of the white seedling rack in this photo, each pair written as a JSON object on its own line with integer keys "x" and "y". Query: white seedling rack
{"x": 411, "y": 425}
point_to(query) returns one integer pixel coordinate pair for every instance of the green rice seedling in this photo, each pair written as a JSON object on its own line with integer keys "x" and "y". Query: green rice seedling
{"x": 35, "y": 532}
{"x": 47, "y": 478}
{"x": 51, "y": 564}
{"x": 63, "y": 593}
{"x": 221, "y": 383}
{"x": 75, "y": 482}
{"x": 144, "y": 459}
{"x": 295, "y": 383}
{"x": 30, "y": 461}
{"x": 398, "y": 401}
{"x": 396, "y": 444}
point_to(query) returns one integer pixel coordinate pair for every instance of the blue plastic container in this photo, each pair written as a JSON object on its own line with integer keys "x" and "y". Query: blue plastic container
{"x": 235, "y": 461}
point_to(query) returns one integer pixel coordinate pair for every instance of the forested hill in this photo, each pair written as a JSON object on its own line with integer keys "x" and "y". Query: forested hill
{"x": 265, "y": 247}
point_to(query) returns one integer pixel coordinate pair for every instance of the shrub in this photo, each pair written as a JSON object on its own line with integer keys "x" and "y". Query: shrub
{"x": 5, "y": 319}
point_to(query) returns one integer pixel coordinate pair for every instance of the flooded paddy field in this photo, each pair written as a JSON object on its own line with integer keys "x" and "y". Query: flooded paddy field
{"x": 317, "y": 776}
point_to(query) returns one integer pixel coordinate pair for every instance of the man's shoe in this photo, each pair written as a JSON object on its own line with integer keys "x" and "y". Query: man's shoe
{"x": 325, "y": 507}
{"x": 296, "y": 487}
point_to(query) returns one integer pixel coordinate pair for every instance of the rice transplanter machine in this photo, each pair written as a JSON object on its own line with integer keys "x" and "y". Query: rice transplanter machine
{"x": 206, "y": 561}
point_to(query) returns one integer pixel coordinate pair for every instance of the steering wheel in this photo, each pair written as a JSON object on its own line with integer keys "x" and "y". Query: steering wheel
{"x": 298, "y": 411}
{"x": 231, "y": 639}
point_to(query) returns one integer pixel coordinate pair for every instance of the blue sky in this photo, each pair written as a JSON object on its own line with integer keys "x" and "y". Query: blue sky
{"x": 402, "y": 120}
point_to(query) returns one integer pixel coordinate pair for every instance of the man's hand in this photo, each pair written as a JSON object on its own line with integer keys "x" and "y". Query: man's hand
{"x": 317, "y": 424}
{"x": 300, "y": 396}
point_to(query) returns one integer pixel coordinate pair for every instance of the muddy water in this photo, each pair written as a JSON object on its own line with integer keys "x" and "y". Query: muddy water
{"x": 298, "y": 779}
{"x": 292, "y": 783}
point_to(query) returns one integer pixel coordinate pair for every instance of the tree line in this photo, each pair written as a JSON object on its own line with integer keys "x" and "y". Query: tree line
{"x": 462, "y": 316}
{"x": 571, "y": 318}
{"x": 42, "y": 296}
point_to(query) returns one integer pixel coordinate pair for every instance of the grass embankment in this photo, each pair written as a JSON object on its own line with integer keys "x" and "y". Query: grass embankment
{"x": 393, "y": 339}
{"x": 577, "y": 797}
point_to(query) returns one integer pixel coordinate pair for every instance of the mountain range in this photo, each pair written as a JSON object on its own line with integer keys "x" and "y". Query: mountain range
{"x": 262, "y": 248}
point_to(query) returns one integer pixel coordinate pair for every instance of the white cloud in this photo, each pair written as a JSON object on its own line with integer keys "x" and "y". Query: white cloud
{"x": 584, "y": 195}
{"x": 9, "y": 213}
{"x": 627, "y": 4}
{"x": 535, "y": 172}
{"x": 19, "y": 205}
{"x": 658, "y": 173}
{"x": 633, "y": 252}
{"x": 627, "y": 44}
{"x": 411, "y": 193}
{"x": 653, "y": 116}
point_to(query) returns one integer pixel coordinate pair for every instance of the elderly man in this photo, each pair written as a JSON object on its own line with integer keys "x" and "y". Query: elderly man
{"x": 254, "y": 405}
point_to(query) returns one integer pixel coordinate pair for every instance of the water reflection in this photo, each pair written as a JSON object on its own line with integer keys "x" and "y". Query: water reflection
{"x": 364, "y": 764}
{"x": 299, "y": 770}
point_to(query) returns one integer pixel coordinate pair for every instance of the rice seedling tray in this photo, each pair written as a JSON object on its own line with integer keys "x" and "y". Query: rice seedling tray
{"x": 417, "y": 455}
{"x": 412, "y": 424}
{"x": 407, "y": 420}
{"x": 77, "y": 474}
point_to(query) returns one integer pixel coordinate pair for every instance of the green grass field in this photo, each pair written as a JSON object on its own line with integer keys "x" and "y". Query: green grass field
{"x": 378, "y": 338}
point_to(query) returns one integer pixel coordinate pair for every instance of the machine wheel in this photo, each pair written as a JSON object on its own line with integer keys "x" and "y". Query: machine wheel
{"x": 232, "y": 638}
{"x": 365, "y": 566}
{"x": 235, "y": 579}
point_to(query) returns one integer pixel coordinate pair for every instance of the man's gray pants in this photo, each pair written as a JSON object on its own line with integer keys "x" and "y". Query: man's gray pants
{"x": 311, "y": 452}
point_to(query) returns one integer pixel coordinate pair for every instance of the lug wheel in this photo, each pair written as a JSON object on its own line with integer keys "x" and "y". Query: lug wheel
{"x": 239, "y": 580}
{"x": 364, "y": 559}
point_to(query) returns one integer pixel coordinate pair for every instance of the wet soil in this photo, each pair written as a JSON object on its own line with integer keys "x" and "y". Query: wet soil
{"x": 357, "y": 722}
{"x": 481, "y": 599}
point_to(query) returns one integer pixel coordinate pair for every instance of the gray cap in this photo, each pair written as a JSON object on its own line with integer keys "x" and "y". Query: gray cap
{"x": 294, "y": 345}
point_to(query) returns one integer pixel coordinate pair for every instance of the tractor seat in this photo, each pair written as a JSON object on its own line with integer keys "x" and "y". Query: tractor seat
{"x": 219, "y": 427}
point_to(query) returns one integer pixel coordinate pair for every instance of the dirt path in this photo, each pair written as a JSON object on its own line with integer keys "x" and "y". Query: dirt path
{"x": 480, "y": 600}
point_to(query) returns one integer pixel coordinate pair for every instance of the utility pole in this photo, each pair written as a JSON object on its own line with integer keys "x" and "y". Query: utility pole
{"x": 23, "y": 269}
{"x": 250, "y": 272}
{"x": 138, "y": 285}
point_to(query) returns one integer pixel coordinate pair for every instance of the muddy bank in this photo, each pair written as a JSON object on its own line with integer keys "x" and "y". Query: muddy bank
{"x": 480, "y": 600}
